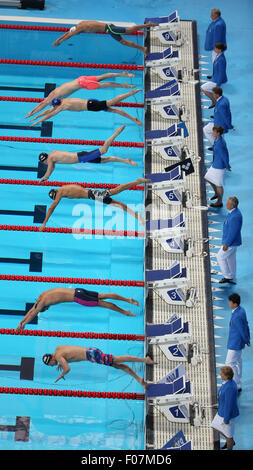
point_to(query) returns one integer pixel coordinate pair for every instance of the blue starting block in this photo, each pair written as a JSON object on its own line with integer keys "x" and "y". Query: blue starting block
{"x": 169, "y": 56}
{"x": 178, "y": 442}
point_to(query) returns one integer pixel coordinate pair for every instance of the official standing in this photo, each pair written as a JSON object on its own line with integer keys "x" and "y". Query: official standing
{"x": 219, "y": 75}
{"x": 222, "y": 115}
{"x": 231, "y": 239}
{"x": 216, "y": 32}
{"x": 238, "y": 336}
{"x": 224, "y": 420}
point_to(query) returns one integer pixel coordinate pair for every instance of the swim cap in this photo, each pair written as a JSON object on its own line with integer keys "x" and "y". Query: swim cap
{"x": 52, "y": 193}
{"x": 43, "y": 156}
{"x": 47, "y": 358}
{"x": 56, "y": 102}
{"x": 72, "y": 29}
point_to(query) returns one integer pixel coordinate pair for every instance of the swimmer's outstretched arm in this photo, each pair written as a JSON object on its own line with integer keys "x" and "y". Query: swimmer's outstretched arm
{"x": 51, "y": 210}
{"x": 50, "y": 169}
{"x": 36, "y": 308}
{"x": 65, "y": 37}
{"x": 47, "y": 114}
{"x": 38, "y": 108}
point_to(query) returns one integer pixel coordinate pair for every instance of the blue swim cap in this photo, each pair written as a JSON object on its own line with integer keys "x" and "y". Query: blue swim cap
{"x": 56, "y": 102}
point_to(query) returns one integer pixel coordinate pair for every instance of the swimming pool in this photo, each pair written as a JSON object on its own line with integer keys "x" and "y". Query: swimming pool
{"x": 68, "y": 422}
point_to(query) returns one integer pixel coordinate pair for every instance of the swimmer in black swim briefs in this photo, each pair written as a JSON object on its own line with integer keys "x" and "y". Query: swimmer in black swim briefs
{"x": 78, "y": 104}
{"x": 84, "y": 297}
{"x": 76, "y": 191}
{"x": 95, "y": 156}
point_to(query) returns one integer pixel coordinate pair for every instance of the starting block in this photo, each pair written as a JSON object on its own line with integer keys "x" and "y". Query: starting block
{"x": 169, "y": 56}
{"x": 161, "y": 228}
{"x": 183, "y": 75}
{"x": 176, "y": 153}
{"x": 161, "y": 183}
{"x": 169, "y": 284}
{"x": 166, "y": 141}
{"x": 173, "y": 395}
{"x": 178, "y": 442}
{"x": 175, "y": 340}
{"x": 166, "y": 94}
{"x": 172, "y": 21}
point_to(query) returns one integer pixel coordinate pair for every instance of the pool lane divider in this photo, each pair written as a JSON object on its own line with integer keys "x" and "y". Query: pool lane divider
{"x": 46, "y": 128}
{"x": 72, "y": 280}
{"x": 71, "y": 393}
{"x": 70, "y": 141}
{"x": 120, "y": 104}
{"x": 83, "y": 65}
{"x": 73, "y": 334}
{"x": 62, "y": 29}
{"x": 63, "y": 183}
{"x": 34, "y": 261}
{"x": 84, "y": 231}
{"x": 38, "y": 214}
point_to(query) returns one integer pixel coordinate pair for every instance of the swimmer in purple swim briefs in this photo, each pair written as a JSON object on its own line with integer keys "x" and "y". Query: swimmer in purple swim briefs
{"x": 65, "y": 354}
{"x": 84, "y": 297}
{"x": 95, "y": 156}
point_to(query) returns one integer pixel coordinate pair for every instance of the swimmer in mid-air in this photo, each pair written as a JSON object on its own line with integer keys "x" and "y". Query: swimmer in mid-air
{"x": 89, "y": 26}
{"x": 78, "y": 104}
{"x": 95, "y": 156}
{"x": 87, "y": 82}
{"x": 65, "y": 354}
{"x": 76, "y": 191}
{"x": 83, "y": 297}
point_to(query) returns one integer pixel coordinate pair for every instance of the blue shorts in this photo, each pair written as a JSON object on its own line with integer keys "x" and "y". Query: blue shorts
{"x": 96, "y": 355}
{"x": 93, "y": 157}
{"x": 115, "y": 31}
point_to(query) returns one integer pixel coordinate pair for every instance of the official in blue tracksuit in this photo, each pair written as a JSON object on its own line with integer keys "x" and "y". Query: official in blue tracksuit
{"x": 215, "y": 174}
{"x": 222, "y": 115}
{"x": 238, "y": 336}
{"x": 216, "y": 32}
{"x": 224, "y": 420}
{"x": 231, "y": 239}
{"x": 219, "y": 75}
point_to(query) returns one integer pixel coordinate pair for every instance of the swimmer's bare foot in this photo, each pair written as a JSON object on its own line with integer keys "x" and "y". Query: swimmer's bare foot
{"x": 142, "y": 180}
{"x": 138, "y": 122}
{"x": 131, "y": 162}
{"x": 127, "y": 85}
{"x": 129, "y": 314}
{"x": 136, "y": 91}
{"x": 145, "y": 51}
{"x": 148, "y": 360}
{"x": 133, "y": 301}
{"x": 143, "y": 383}
{"x": 151, "y": 24}
{"x": 127, "y": 74}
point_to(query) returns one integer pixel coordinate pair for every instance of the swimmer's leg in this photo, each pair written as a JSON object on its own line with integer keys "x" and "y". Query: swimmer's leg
{"x": 127, "y": 358}
{"x": 117, "y": 297}
{"x": 124, "y": 114}
{"x": 124, "y": 186}
{"x": 125, "y": 42}
{"x": 115, "y": 85}
{"x": 104, "y": 76}
{"x": 127, "y": 161}
{"x": 130, "y": 371}
{"x": 125, "y": 208}
{"x": 111, "y": 306}
{"x": 122, "y": 97}
{"x": 109, "y": 141}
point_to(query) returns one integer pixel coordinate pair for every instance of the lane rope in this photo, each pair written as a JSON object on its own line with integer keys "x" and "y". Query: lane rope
{"x": 84, "y": 231}
{"x": 71, "y": 393}
{"x": 50, "y": 140}
{"x": 73, "y": 334}
{"x": 72, "y": 280}
{"x": 120, "y": 104}
{"x": 63, "y": 183}
{"x": 62, "y": 29}
{"x": 90, "y": 65}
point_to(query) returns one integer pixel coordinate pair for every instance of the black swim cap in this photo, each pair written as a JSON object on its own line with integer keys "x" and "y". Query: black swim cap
{"x": 52, "y": 193}
{"x": 47, "y": 358}
{"x": 43, "y": 156}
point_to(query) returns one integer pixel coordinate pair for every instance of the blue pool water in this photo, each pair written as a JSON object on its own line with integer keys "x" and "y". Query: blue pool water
{"x": 70, "y": 423}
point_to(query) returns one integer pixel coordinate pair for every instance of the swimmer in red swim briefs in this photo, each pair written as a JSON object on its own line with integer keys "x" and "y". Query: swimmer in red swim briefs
{"x": 65, "y": 354}
{"x": 88, "y": 82}
{"x": 83, "y": 297}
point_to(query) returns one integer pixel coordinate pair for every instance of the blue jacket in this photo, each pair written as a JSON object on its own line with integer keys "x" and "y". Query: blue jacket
{"x": 220, "y": 154}
{"x": 232, "y": 228}
{"x": 228, "y": 404}
{"x": 239, "y": 333}
{"x": 219, "y": 70}
{"x": 216, "y": 32}
{"x": 222, "y": 114}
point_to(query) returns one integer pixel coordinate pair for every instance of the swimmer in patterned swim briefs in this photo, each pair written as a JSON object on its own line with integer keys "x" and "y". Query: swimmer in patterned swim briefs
{"x": 75, "y": 191}
{"x": 84, "y": 297}
{"x": 63, "y": 355}
{"x": 95, "y": 156}
{"x": 89, "y": 26}
{"x": 86, "y": 82}
{"x": 78, "y": 104}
